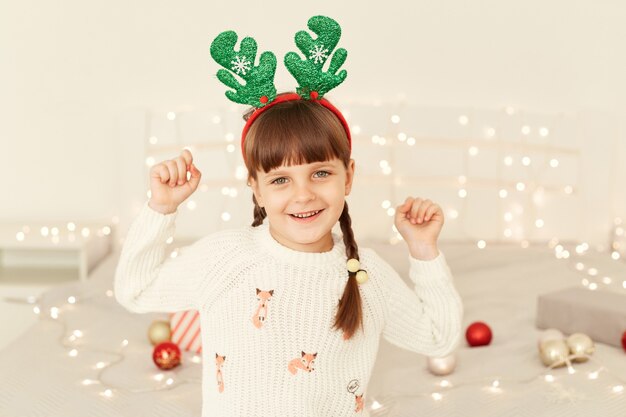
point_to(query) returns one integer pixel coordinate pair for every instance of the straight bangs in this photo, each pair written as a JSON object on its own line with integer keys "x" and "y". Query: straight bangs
{"x": 294, "y": 133}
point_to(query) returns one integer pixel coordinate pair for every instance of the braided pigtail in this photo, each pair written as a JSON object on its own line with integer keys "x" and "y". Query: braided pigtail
{"x": 259, "y": 213}
{"x": 349, "y": 314}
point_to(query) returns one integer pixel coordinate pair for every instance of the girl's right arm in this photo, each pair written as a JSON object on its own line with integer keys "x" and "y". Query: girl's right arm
{"x": 145, "y": 280}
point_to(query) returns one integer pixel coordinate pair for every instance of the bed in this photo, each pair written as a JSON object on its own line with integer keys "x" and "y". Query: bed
{"x": 75, "y": 360}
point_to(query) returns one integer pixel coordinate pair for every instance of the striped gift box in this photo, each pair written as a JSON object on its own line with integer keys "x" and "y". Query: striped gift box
{"x": 185, "y": 327}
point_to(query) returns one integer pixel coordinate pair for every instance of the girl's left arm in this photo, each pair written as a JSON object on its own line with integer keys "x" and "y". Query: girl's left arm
{"x": 426, "y": 319}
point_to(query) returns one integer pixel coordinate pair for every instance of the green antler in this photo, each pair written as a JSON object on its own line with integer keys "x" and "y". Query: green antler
{"x": 308, "y": 72}
{"x": 259, "y": 88}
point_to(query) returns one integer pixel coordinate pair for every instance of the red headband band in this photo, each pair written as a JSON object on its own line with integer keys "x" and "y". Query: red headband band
{"x": 291, "y": 97}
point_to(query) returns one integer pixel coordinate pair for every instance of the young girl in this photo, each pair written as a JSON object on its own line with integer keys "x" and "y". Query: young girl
{"x": 291, "y": 313}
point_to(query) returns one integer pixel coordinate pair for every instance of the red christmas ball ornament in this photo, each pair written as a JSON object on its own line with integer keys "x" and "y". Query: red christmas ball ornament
{"x": 478, "y": 334}
{"x": 624, "y": 341}
{"x": 166, "y": 355}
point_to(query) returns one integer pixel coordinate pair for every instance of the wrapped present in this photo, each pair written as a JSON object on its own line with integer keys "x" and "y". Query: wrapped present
{"x": 185, "y": 327}
{"x": 599, "y": 314}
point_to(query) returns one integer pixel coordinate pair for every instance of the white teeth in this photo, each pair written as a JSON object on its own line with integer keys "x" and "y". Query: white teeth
{"x": 304, "y": 216}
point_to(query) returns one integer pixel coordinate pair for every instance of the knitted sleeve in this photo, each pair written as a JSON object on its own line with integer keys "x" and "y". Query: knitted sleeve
{"x": 427, "y": 319}
{"x": 147, "y": 281}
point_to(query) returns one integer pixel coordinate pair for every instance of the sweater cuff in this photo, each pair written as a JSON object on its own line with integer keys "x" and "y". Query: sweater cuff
{"x": 154, "y": 220}
{"x": 433, "y": 271}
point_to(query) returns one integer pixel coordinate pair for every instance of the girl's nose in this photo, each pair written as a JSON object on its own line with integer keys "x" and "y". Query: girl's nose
{"x": 303, "y": 193}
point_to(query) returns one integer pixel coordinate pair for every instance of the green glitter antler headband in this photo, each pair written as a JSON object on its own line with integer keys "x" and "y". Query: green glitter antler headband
{"x": 259, "y": 90}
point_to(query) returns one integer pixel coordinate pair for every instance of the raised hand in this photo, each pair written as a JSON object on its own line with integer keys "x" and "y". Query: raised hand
{"x": 169, "y": 185}
{"x": 420, "y": 221}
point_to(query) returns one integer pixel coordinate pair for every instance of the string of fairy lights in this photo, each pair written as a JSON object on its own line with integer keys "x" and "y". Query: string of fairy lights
{"x": 573, "y": 253}
{"x": 520, "y": 198}
{"x": 72, "y": 340}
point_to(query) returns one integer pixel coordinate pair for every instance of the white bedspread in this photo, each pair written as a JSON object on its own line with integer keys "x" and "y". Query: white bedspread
{"x": 39, "y": 376}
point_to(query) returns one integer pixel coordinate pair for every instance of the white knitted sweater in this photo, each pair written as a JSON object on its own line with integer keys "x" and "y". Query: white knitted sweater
{"x": 268, "y": 347}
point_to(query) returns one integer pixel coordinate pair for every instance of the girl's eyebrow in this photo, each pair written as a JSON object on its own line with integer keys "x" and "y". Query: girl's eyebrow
{"x": 317, "y": 165}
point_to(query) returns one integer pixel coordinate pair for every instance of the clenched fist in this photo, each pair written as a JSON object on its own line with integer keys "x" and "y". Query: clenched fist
{"x": 169, "y": 185}
{"x": 419, "y": 221}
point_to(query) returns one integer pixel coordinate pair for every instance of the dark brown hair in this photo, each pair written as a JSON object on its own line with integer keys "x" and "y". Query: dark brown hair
{"x": 302, "y": 132}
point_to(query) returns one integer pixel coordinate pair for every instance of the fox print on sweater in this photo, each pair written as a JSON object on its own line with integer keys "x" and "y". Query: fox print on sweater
{"x": 267, "y": 315}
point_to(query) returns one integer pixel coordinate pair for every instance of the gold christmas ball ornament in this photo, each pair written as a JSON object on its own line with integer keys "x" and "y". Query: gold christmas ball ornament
{"x": 441, "y": 366}
{"x": 580, "y": 345}
{"x": 159, "y": 331}
{"x": 353, "y": 265}
{"x": 554, "y": 352}
{"x": 549, "y": 334}
{"x": 361, "y": 276}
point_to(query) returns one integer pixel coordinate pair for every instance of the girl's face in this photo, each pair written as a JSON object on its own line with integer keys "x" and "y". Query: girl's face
{"x": 304, "y": 189}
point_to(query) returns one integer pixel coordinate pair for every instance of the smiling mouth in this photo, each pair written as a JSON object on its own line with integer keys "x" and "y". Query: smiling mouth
{"x": 306, "y": 215}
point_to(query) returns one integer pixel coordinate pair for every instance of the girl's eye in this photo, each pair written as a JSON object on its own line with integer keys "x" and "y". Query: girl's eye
{"x": 281, "y": 180}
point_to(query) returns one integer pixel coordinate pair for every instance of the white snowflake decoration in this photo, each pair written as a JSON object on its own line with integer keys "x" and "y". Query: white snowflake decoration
{"x": 318, "y": 53}
{"x": 240, "y": 65}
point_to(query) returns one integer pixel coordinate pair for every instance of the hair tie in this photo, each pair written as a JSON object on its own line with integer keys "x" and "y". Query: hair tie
{"x": 354, "y": 265}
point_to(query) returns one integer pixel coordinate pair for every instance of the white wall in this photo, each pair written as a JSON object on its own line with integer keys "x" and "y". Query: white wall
{"x": 70, "y": 69}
